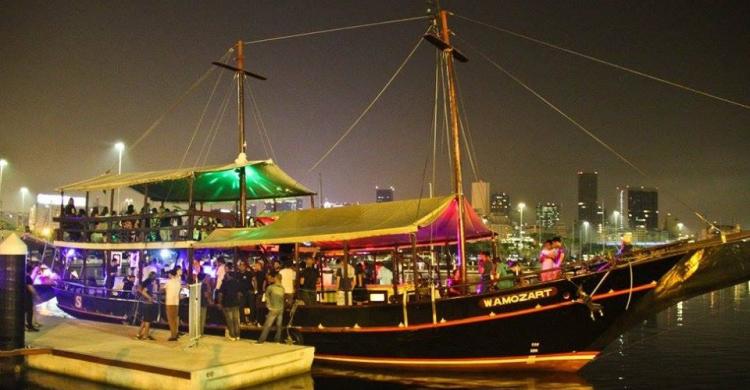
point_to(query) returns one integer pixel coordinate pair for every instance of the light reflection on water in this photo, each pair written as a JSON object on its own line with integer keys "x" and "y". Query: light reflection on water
{"x": 698, "y": 343}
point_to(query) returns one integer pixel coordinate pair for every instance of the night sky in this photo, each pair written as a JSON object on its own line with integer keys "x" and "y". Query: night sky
{"x": 78, "y": 76}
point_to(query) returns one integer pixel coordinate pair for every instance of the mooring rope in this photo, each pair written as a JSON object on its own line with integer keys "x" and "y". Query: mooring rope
{"x": 369, "y": 106}
{"x": 608, "y": 63}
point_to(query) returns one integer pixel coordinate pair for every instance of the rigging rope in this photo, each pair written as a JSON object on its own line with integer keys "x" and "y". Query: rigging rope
{"x": 213, "y": 129}
{"x": 589, "y": 133}
{"x": 260, "y": 131}
{"x": 558, "y": 110}
{"x": 369, "y": 106}
{"x": 608, "y": 63}
{"x": 203, "y": 115}
{"x": 195, "y": 131}
{"x": 261, "y": 126}
{"x": 305, "y": 34}
{"x": 174, "y": 105}
{"x": 468, "y": 140}
{"x": 220, "y": 118}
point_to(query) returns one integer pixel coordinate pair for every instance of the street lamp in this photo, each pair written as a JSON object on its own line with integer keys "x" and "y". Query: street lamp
{"x": 24, "y": 192}
{"x": 616, "y": 216}
{"x": 521, "y": 206}
{"x": 3, "y": 163}
{"x": 119, "y": 147}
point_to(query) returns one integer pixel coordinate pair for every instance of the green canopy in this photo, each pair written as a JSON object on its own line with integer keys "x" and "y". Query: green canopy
{"x": 215, "y": 183}
{"x": 374, "y": 225}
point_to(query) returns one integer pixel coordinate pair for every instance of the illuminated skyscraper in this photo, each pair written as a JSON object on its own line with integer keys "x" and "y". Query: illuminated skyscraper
{"x": 547, "y": 214}
{"x": 643, "y": 208}
{"x": 500, "y": 204}
{"x": 588, "y": 206}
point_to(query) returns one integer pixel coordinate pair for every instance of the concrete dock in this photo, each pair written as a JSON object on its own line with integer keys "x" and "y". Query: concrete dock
{"x": 109, "y": 354}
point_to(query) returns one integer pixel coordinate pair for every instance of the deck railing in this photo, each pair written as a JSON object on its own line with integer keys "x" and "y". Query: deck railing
{"x": 172, "y": 226}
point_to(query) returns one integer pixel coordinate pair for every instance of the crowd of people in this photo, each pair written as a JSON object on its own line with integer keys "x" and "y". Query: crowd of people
{"x": 246, "y": 293}
{"x": 150, "y": 224}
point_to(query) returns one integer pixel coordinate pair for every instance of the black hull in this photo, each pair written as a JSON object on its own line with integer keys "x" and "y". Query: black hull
{"x": 542, "y": 326}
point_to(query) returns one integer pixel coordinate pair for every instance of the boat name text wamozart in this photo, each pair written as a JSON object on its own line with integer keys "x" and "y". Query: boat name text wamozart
{"x": 519, "y": 297}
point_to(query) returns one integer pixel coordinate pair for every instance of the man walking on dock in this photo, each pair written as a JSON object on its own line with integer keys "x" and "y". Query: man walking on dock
{"x": 149, "y": 308}
{"x": 275, "y": 304}
{"x": 229, "y": 301}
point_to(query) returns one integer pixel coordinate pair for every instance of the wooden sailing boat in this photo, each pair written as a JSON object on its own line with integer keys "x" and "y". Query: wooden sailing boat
{"x": 552, "y": 325}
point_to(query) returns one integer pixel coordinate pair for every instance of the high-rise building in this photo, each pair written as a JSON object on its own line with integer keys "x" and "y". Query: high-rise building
{"x": 643, "y": 208}
{"x": 547, "y": 214}
{"x": 384, "y": 194}
{"x": 588, "y": 206}
{"x": 480, "y": 197}
{"x": 500, "y": 204}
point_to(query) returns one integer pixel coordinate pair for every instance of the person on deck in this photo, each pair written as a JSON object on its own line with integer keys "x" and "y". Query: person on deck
{"x": 246, "y": 278}
{"x": 275, "y": 304}
{"x": 506, "y": 278}
{"x": 559, "y": 256}
{"x": 31, "y": 296}
{"x": 152, "y": 267}
{"x": 359, "y": 294}
{"x": 345, "y": 284}
{"x": 111, "y": 275}
{"x": 384, "y": 275}
{"x": 309, "y": 281}
{"x": 149, "y": 307}
{"x": 127, "y": 235}
{"x": 626, "y": 246}
{"x": 221, "y": 271}
{"x": 70, "y": 208}
{"x": 165, "y": 225}
{"x": 206, "y": 299}
{"x": 288, "y": 277}
{"x": 228, "y": 300}
{"x": 172, "y": 297}
{"x": 128, "y": 284}
{"x": 547, "y": 260}
{"x": 259, "y": 287}
{"x": 485, "y": 266}
{"x": 453, "y": 283}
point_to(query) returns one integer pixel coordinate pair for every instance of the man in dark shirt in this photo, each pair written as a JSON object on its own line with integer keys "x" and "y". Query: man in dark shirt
{"x": 206, "y": 299}
{"x": 229, "y": 301}
{"x": 29, "y": 303}
{"x": 148, "y": 302}
{"x": 259, "y": 287}
{"x": 308, "y": 281}
{"x": 246, "y": 279}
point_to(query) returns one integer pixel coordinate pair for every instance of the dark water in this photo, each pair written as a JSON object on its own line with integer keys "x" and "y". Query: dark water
{"x": 702, "y": 343}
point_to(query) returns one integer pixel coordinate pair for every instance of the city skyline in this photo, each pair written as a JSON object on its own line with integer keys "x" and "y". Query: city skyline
{"x": 92, "y": 90}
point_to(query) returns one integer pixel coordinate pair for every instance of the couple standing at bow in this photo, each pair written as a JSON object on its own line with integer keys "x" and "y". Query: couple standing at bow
{"x": 551, "y": 258}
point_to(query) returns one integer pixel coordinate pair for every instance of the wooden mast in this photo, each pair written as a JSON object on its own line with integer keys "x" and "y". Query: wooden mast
{"x": 241, "y": 129}
{"x": 455, "y": 144}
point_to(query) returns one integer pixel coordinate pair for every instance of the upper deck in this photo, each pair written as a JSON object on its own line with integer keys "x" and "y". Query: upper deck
{"x": 175, "y": 226}
{"x": 189, "y": 187}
